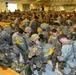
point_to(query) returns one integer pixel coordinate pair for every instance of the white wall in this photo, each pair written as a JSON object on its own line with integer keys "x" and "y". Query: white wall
{"x": 20, "y": 7}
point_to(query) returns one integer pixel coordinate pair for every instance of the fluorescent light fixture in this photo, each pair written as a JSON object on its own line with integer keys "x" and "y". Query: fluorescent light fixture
{"x": 62, "y": 8}
{"x": 31, "y": 4}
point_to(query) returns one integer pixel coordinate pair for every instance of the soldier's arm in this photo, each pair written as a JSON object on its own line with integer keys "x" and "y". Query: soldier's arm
{"x": 58, "y": 49}
{"x": 49, "y": 40}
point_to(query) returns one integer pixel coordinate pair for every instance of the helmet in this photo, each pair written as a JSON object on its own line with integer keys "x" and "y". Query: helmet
{"x": 28, "y": 29}
{"x": 34, "y": 37}
{"x": 44, "y": 26}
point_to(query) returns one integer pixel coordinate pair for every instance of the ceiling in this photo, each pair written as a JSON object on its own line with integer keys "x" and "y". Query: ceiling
{"x": 50, "y": 2}
{"x": 45, "y": 2}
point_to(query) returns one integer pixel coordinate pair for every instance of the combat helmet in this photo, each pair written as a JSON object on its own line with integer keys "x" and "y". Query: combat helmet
{"x": 44, "y": 26}
{"x": 28, "y": 29}
{"x": 34, "y": 37}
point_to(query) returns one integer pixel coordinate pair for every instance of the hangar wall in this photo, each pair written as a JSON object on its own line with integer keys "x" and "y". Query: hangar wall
{"x": 54, "y": 7}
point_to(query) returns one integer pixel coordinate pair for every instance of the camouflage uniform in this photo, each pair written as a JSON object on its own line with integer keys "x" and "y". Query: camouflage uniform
{"x": 74, "y": 47}
{"x": 7, "y": 32}
{"x": 42, "y": 53}
{"x": 70, "y": 31}
{"x": 4, "y": 49}
{"x": 56, "y": 26}
{"x": 73, "y": 33}
{"x": 48, "y": 70}
{"x": 54, "y": 41}
{"x": 47, "y": 17}
{"x": 36, "y": 48}
{"x": 34, "y": 24}
{"x": 35, "y": 53}
{"x": 16, "y": 23}
{"x": 3, "y": 44}
{"x": 25, "y": 23}
{"x": 68, "y": 57}
{"x": 45, "y": 28}
{"x": 20, "y": 46}
{"x": 65, "y": 30}
{"x": 26, "y": 35}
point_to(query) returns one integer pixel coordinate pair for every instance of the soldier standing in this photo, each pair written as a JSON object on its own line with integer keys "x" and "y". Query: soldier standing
{"x": 34, "y": 24}
{"x": 20, "y": 45}
{"x": 25, "y": 23}
{"x": 54, "y": 41}
{"x": 67, "y": 55}
{"x": 27, "y": 36}
{"x": 36, "y": 52}
{"x": 3, "y": 40}
{"x": 45, "y": 28}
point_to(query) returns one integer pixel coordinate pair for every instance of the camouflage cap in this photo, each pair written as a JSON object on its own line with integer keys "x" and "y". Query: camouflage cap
{"x": 34, "y": 37}
{"x": 44, "y": 26}
{"x": 28, "y": 29}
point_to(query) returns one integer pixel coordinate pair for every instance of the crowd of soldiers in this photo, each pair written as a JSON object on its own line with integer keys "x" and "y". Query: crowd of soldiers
{"x": 39, "y": 42}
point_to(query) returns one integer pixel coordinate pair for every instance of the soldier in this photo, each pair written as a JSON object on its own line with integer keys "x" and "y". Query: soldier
{"x": 56, "y": 26}
{"x": 4, "y": 47}
{"x": 67, "y": 56}
{"x": 7, "y": 32}
{"x": 36, "y": 51}
{"x": 69, "y": 22}
{"x": 73, "y": 34}
{"x": 27, "y": 35}
{"x": 20, "y": 45}
{"x": 3, "y": 37}
{"x": 59, "y": 18}
{"x": 16, "y": 22}
{"x": 25, "y": 23}
{"x": 47, "y": 17}
{"x": 37, "y": 45}
{"x": 74, "y": 46}
{"x": 8, "y": 29}
{"x": 34, "y": 24}
{"x": 43, "y": 54}
{"x": 65, "y": 29}
{"x": 45, "y": 28}
{"x": 40, "y": 18}
{"x": 54, "y": 41}
{"x": 70, "y": 32}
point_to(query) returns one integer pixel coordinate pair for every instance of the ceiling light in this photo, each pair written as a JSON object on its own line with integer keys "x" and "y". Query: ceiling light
{"x": 31, "y": 4}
